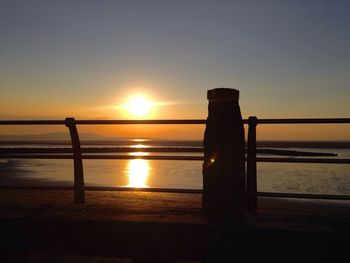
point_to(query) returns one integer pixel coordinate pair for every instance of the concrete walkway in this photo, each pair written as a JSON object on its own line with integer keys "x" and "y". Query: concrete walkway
{"x": 162, "y": 226}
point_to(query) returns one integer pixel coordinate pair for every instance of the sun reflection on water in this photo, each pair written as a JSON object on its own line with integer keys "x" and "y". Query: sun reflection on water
{"x": 138, "y": 172}
{"x": 138, "y": 154}
{"x": 139, "y": 146}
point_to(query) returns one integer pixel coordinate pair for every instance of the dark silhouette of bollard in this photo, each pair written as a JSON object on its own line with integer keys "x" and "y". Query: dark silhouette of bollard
{"x": 224, "y": 195}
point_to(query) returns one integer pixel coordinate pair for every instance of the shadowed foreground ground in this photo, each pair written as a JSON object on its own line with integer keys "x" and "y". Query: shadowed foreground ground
{"x": 45, "y": 226}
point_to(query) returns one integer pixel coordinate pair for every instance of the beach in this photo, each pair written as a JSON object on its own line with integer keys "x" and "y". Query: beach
{"x": 128, "y": 226}
{"x": 177, "y": 218}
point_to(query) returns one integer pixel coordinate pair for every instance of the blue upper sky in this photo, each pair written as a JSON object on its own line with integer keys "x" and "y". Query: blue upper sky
{"x": 287, "y": 58}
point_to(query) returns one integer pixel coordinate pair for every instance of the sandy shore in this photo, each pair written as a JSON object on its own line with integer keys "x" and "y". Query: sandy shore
{"x": 47, "y": 224}
{"x": 157, "y": 207}
{"x": 124, "y": 206}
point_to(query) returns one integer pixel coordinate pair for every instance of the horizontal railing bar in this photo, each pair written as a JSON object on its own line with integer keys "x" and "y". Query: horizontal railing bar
{"x": 101, "y": 157}
{"x": 169, "y": 157}
{"x": 173, "y": 190}
{"x": 302, "y": 160}
{"x": 102, "y": 122}
{"x": 179, "y": 121}
{"x": 304, "y": 121}
{"x": 145, "y": 157}
{"x": 102, "y": 188}
{"x": 32, "y": 122}
{"x": 36, "y": 156}
{"x": 145, "y": 189}
{"x": 306, "y": 196}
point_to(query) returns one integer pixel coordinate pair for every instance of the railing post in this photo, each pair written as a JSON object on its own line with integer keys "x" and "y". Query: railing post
{"x": 224, "y": 193}
{"x": 251, "y": 166}
{"x": 79, "y": 195}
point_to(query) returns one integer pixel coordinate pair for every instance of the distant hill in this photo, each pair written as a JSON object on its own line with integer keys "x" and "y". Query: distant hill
{"x": 92, "y": 138}
{"x": 54, "y": 136}
{"x": 305, "y": 144}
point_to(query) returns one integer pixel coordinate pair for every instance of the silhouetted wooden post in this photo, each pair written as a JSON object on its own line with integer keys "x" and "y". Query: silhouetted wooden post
{"x": 79, "y": 195}
{"x": 251, "y": 166}
{"x": 224, "y": 195}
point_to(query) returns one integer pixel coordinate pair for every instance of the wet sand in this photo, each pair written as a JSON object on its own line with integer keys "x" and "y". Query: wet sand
{"x": 13, "y": 174}
{"x": 143, "y": 206}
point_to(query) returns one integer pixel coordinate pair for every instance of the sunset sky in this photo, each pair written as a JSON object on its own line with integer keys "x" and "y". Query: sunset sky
{"x": 87, "y": 59}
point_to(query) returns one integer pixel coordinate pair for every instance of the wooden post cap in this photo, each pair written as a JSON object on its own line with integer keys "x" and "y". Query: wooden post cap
{"x": 223, "y": 94}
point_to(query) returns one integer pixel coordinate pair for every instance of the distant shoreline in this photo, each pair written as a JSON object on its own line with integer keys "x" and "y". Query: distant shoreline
{"x": 187, "y": 143}
{"x": 159, "y": 149}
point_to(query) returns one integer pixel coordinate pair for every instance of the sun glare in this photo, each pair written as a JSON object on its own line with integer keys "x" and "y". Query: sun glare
{"x": 139, "y": 106}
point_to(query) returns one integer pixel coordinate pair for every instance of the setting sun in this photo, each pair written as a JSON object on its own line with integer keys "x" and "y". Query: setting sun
{"x": 139, "y": 106}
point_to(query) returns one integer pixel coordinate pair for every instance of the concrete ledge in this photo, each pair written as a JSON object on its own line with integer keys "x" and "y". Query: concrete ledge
{"x": 169, "y": 227}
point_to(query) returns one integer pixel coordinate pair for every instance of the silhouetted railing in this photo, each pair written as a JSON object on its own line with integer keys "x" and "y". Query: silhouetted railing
{"x": 252, "y": 159}
{"x": 78, "y": 154}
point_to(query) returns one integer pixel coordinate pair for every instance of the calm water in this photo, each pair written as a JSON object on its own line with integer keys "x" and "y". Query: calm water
{"x": 275, "y": 177}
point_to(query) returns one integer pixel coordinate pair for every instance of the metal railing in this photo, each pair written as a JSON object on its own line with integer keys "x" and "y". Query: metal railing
{"x": 77, "y": 154}
{"x": 252, "y": 160}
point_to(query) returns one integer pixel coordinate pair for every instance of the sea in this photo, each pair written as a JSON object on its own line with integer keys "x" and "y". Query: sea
{"x": 142, "y": 173}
